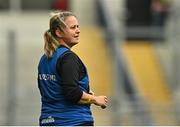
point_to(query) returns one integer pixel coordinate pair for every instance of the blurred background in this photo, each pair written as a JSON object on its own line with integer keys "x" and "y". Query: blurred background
{"x": 130, "y": 47}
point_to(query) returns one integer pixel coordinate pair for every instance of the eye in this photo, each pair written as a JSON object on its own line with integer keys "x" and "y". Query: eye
{"x": 74, "y": 26}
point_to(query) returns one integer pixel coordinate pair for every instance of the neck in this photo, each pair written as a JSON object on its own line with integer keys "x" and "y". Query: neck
{"x": 64, "y": 44}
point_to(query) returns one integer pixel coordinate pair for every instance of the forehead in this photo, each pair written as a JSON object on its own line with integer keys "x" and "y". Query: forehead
{"x": 71, "y": 20}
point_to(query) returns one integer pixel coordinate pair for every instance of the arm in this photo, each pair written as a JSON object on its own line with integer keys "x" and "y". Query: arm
{"x": 68, "y": 69}
{"x": 69, "y": 72}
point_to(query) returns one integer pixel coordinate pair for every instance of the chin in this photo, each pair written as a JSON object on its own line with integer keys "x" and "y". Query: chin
{"x": 74, "y": 43}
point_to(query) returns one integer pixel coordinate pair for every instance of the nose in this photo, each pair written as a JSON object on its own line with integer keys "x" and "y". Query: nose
{"x": 78, "y": 30}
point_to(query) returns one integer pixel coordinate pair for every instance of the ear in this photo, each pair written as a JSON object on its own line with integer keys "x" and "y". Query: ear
{"x": 59, "y": 33}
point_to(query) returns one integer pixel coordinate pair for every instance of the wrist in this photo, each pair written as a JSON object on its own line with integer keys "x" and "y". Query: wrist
{"x": 93, "y": 99}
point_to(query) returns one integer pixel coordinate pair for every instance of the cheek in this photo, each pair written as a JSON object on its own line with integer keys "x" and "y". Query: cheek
{"x": 69, "y": 33}
{"x": 69, "y": 37}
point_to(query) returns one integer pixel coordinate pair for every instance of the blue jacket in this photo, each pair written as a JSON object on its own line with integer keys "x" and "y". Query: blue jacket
{"x": 56, "y": 110}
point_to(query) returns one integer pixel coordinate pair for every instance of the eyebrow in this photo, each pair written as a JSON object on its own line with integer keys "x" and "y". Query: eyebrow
{"x": 74, "y": 26}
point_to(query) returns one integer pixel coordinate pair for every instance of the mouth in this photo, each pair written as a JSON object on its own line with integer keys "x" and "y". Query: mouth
{"x": 77, "y": 36}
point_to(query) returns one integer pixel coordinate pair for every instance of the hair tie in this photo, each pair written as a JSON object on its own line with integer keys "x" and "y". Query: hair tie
{"x": 49, "y": 31}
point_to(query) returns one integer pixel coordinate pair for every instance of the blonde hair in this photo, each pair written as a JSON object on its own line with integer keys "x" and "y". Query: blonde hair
{"x": 57, "y": 22}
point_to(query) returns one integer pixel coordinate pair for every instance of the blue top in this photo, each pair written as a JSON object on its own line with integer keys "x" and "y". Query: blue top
{"x": 56, "y": 110}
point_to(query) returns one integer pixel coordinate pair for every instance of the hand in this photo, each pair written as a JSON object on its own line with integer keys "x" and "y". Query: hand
{"x": 101, "y": 101}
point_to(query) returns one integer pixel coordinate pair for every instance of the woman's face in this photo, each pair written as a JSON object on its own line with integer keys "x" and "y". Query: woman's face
{"x": 71, "y": 33}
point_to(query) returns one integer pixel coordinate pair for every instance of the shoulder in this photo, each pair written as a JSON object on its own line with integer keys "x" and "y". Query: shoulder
{"x": 68, "y": 57}
{"x": 68, "y": 61}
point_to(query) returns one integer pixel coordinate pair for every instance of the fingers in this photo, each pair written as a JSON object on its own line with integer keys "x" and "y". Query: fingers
{"x": 105, "y": 99}
{"x": 105, "y": 104}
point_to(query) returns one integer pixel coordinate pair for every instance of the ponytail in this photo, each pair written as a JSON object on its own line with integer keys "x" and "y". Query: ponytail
{"x": 51, "y": 44}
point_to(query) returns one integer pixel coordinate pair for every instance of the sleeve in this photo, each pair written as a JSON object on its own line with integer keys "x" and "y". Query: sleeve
{"x": 68, "y": 69}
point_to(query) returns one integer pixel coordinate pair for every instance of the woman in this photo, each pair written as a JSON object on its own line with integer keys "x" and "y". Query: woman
{"x": 62, "y": 77}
